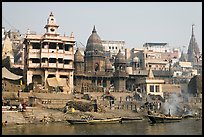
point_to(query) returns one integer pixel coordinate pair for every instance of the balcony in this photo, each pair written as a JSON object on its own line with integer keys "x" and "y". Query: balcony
{"x": 67, "y": 66}
{"x": 52, "y": 65}
{"x": 52, "y": 50}
{"x": 68, "y": 57}
{"x": 43, "y": 65}
{"x": 60, "y": 55}
{"x": 34, "y": 65}
{"x": 44, "y": 50}
{"x": 52, "y": 55}
{"x": 60, "y": 65}
{"x": 60, "y": 51}
{"x": 69, "y": 53}
{"x": 34, "y": 53}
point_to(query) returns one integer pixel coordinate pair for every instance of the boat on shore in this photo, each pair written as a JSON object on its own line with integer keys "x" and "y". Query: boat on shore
{"x": 164, "y": 118}
{"x": 131, "y": 119}
{"x": 108, "y": 120}
{"x": 94, "y": 121}
{"x": 77, "y": 121}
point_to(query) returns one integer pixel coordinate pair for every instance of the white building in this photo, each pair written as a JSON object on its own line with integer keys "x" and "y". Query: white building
{"x": 113, "y": 46}
{"x": 157, "y": 47}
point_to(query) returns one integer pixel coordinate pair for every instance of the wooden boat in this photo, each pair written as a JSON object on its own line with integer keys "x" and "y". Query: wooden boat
{"x": 131, "y": 119}
{"x": 108, "y": 120}
{"x": 164, "y": 118}
{"x": 77, "y": 121}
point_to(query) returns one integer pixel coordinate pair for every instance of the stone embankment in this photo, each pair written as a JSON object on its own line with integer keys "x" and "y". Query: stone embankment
{"x": 45, "y": 115}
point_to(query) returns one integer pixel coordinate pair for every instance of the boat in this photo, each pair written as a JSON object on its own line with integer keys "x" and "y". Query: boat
{"x": 131, "y": 119}
{"x": 164, "y": 118}
{"x": 108, "y": 120}
{"x": 77, "y": 121}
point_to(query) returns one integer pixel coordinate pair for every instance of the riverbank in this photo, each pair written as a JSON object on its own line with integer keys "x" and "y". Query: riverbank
{"x": 46, "y": 115}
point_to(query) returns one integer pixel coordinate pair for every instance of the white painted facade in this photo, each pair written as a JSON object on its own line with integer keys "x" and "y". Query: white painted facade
{"x": 114, "y": 46}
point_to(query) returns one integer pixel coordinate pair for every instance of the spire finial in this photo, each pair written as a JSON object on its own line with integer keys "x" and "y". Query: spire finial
{"x": 51, "y": 14}
{"x": 94, "y": 29}
{"x": 192, "y": 29}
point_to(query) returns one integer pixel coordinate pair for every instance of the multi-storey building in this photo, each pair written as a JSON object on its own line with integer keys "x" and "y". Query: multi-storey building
{"x": 113, "y": 46}
{"x": 49, "y": 56}
{"x": 157, "y": 47}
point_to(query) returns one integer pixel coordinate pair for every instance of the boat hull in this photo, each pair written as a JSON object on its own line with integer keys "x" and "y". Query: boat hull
{"x": 94, "y": 121}
{"x": 164, "y": 119}
{"x": 77, "y": 121}
{"x": 102, "y": 121}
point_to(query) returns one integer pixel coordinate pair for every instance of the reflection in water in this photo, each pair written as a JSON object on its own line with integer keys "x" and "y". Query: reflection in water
{"x": 185, "y": 127}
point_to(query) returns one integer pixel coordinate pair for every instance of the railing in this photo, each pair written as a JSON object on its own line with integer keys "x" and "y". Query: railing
{"x": 52, "y": 65}
{"x": 34, "y": 65}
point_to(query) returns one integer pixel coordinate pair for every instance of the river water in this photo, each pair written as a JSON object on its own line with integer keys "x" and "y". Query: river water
{"x": 185, "y": 127}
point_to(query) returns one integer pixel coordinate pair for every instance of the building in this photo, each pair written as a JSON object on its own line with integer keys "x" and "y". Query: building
{"x": 3, "y": 34}
{"x": 150, "y": 59}
{"x": 151, "y": 85}
{"x": 113, "y": 46}
{"x": 94, "y": 71}
{"x": 157, "y": 47}
{"x": 49, "y": 57}
{"x": 194, "y": 55}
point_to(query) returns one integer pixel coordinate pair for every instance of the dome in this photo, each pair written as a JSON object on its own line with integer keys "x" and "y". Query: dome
{"x": 108, "y": 64}
{"x": 78, "y": 57}
{"x": 135, "y": 59}
{"x": 120, "y": 58}
{"x": 94, "y": 42}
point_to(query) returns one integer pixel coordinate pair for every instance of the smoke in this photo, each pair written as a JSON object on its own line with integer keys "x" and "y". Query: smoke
{"x": 172, "y": 104}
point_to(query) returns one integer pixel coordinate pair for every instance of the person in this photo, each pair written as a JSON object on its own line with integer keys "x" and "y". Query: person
{"x": 169, "y": 113}
{"x": 20, "y": 107}
{"x": 18, "y": 94}
{"x": 66, "y": 109}
{"x": 24, "y": 105}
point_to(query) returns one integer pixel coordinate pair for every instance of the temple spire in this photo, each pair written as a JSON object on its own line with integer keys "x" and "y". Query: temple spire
{"x": 192, "y": 29}
{"x": 94, "y": 29}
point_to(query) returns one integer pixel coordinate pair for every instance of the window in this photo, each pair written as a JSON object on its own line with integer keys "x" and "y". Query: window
{"x": 60, "y": 60}
{"x": 52, "y": 60}
{"x": 52, "y": 46}
{"x": 60, "y": 46}
{"x": 35, "y": 60}
{"x": 66, "y": 61}
{"x": 151, "y": 88}
{"x": 157, "y": 88}
{"x": 36, "y": 45}
{"x": 112, "y": 47}
{"x": 109, "y": 47}
{"x": 43, "y": 60}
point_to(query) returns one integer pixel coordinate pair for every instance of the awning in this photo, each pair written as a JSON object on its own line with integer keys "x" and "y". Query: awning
{"x": 9, "y": 75}
{"x": 57, "y": 82}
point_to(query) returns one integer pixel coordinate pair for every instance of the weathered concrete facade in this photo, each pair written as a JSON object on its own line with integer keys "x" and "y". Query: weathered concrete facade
{"x": 49, "y": 55}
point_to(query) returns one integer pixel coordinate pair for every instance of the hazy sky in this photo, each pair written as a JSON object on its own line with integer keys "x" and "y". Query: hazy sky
{"x": 134, "y": 22}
